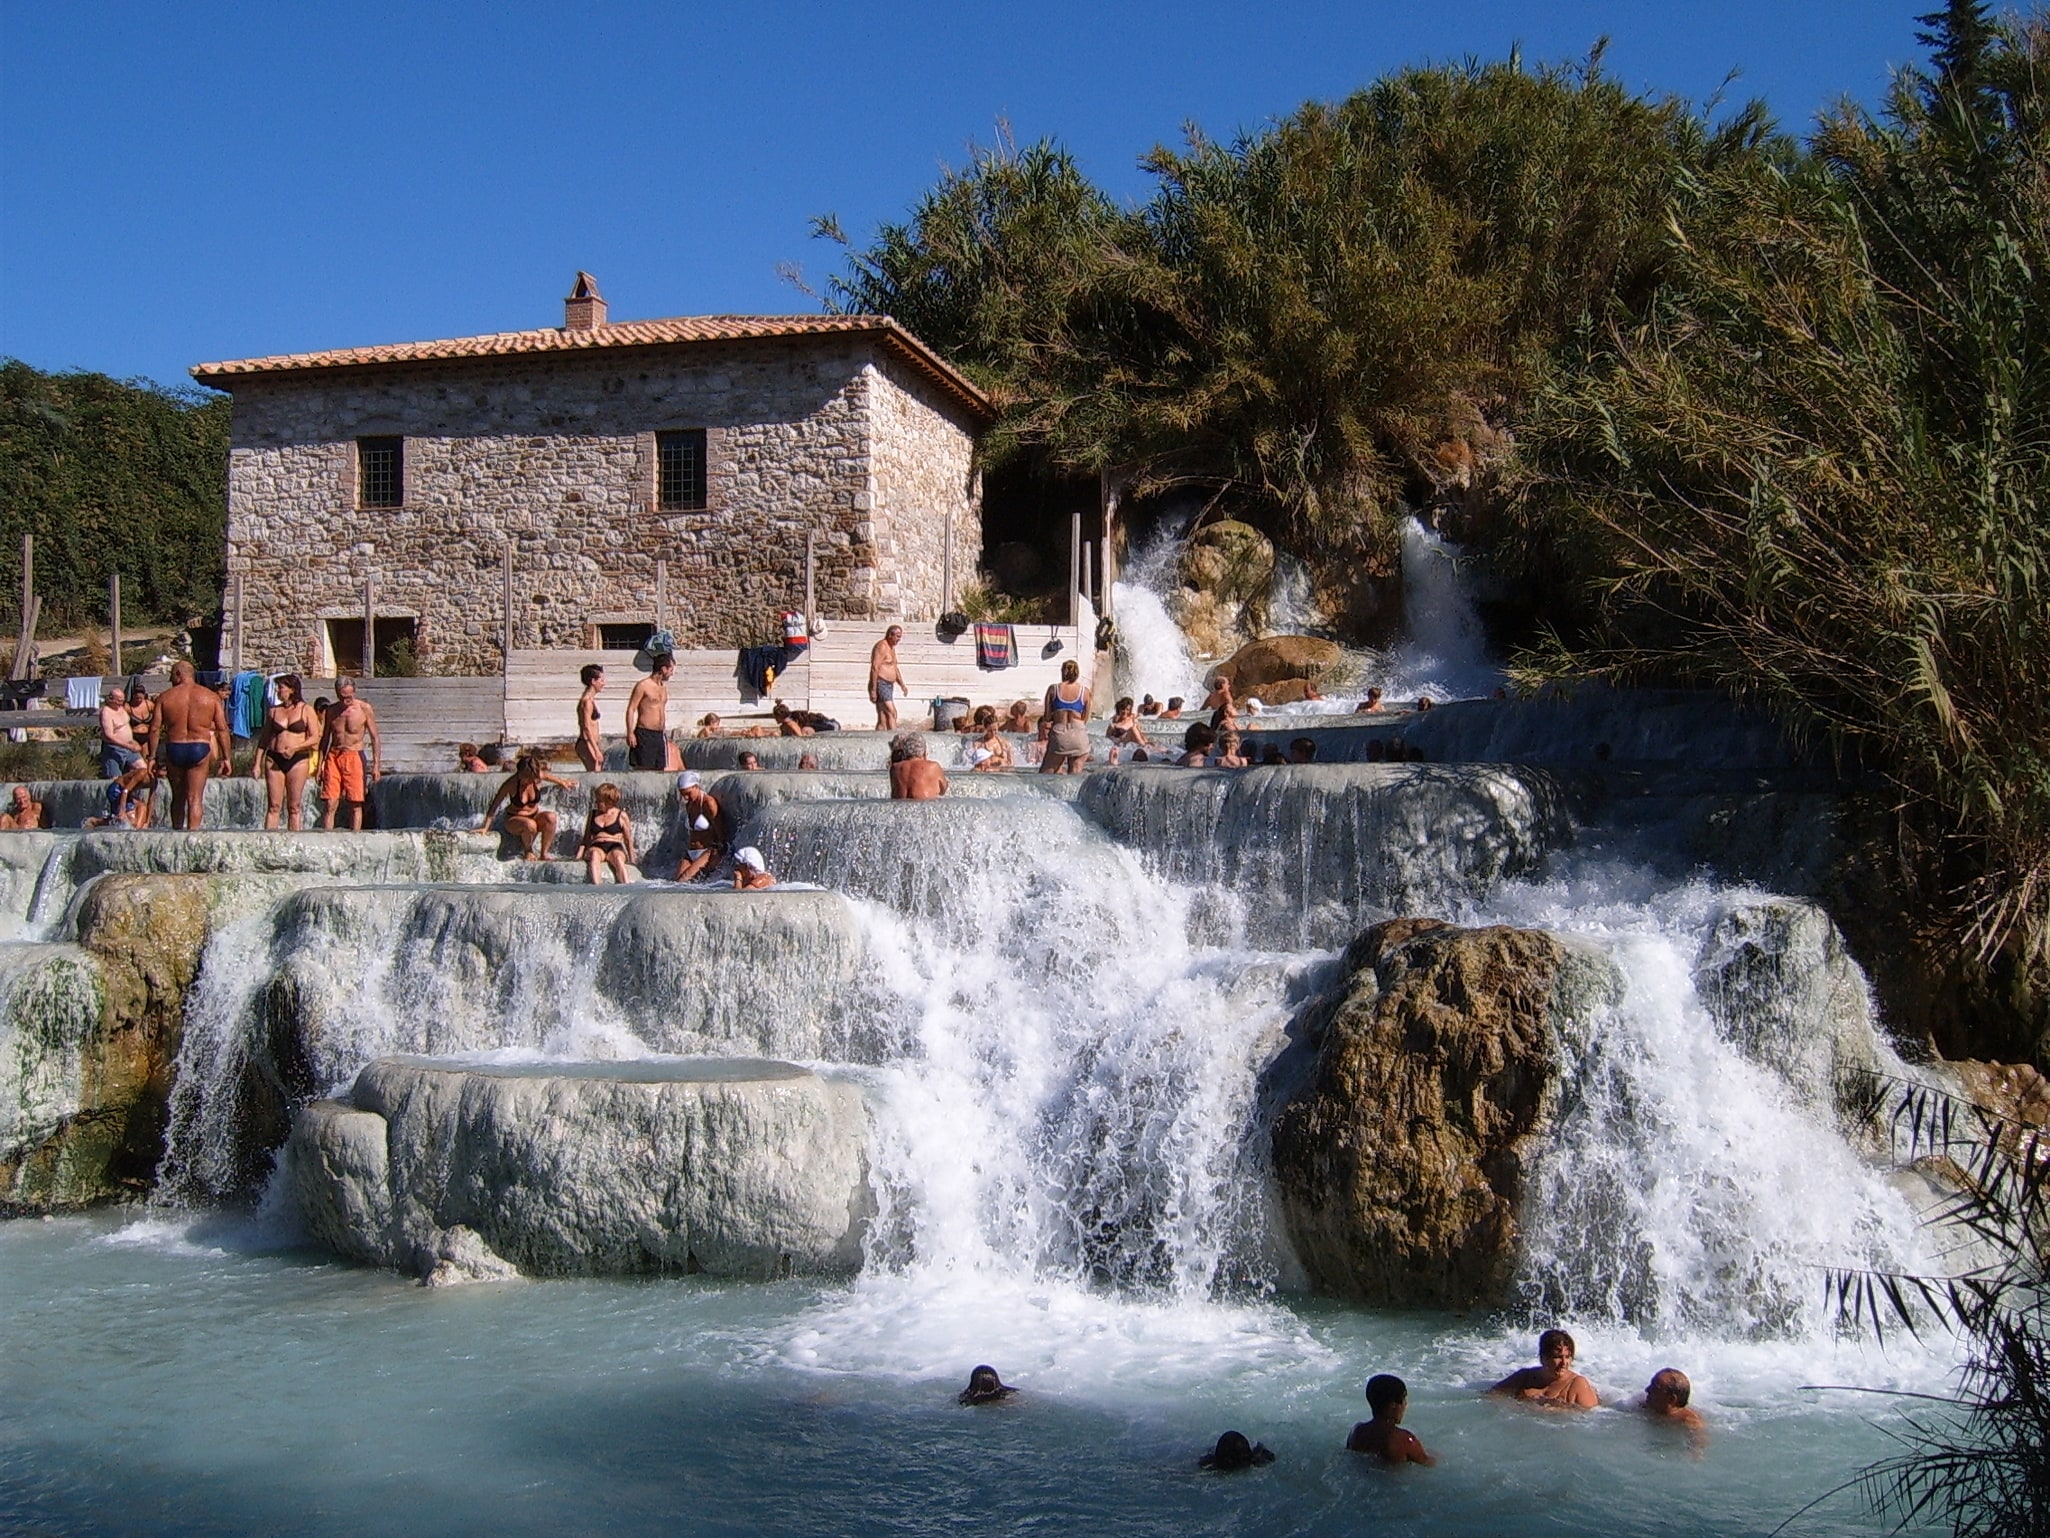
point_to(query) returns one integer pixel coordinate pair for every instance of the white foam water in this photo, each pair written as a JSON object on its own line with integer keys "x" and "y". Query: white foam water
{"x": 1152, "y": 653}
{"x": 1444, "y": 651}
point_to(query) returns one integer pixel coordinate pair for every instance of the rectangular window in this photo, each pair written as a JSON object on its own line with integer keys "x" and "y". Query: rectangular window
{"x": 380, "y": 472}
{"x": 680, "y": 471}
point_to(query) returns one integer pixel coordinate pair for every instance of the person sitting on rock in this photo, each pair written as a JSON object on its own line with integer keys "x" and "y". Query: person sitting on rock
{"x": 706, "y": 836}
{"x": 1552, "y": 1383}
{"x": 750, "y": 870}
{"x": 1124, "y": 729}
{"x": 608, "y": 835}
{"x": 1383, "y": 1436}
{"x": 129, "y": 798}
{"x": 1234, "y": 1452}
{"x": 708, "y": 725}
{"x": 470, "y": 759}
{"x": 526, "y": 819}
{"x": 996, "y": 753}
{"x": 1228, "y": 755}
{"x": 1019, "y": 717}
{"x": 984, "y": 1387}
{"x": 1197, "y": 742}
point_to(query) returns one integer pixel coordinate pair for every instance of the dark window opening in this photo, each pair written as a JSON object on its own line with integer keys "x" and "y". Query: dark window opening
{"x": 380, "y": 472}
{"x": 624, "y": 638}
{"x": 680, "y": 471}
{"x": 395, "y": 647}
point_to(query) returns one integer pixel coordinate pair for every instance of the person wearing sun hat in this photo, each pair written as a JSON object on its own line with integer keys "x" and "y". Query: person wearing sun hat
{"x": 705, "y": 832}
{"x": 750, "y": 870}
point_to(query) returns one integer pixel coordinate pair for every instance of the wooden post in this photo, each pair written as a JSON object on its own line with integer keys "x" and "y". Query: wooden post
{"x": 235, "y": 606}
{"x": 947, "y": 571}
{"x": 1088, "y": 565}
{"x": 811, "y": 567}
{"x": 661, "y": 595}
{"x": 25, "y": 648}
{"x": 369, "y": 627}
{"x": 508, "y": 605}
{"x": 1108, "y": 493}
{"x": 114, "y": 621}
{"x": 1075, "y": 569}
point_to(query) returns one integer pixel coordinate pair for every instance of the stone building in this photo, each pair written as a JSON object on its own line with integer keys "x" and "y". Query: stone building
{"x": 578, "y": 486}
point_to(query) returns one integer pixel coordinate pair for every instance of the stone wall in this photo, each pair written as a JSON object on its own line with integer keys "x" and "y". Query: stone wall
{"x": 923, "y": 475}
{"x": 557, "y": 454}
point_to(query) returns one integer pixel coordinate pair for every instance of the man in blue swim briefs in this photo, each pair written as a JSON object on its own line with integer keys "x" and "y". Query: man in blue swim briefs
{"x": 192, "y": 731}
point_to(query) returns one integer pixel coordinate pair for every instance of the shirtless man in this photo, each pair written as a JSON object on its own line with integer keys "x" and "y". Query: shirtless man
{"x": 647, "y": 718}
{"x": 1553, "y": 1384}
{"x": 913, "y": 776}
{"x": 192, "y": 731}
{"x": 350, "y": 722}
{"x": 1665, "y": 1401}
{"x": 24, "y": 812}
{"x": 590, "y": 750}
{"x": 1383, "y": 1436}
{"x": 885, "y": 678}
{"x": 706, "y": 836}
{"x": 118, "y": 747}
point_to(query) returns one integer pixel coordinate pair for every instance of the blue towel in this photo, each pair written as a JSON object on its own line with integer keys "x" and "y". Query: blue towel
{"x": 245, "y": 704}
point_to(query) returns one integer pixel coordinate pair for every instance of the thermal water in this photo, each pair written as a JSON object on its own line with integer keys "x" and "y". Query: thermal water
{"x": 1152, "y": 653}
{"x": 1060, "y": 1011}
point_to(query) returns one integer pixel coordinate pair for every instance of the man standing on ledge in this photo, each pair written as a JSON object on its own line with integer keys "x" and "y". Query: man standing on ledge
{"x": 349, "y": 722}
{"x": 192, "y": 729}
{"x": 647, "y": 717}
{"x": 885, "y": 678}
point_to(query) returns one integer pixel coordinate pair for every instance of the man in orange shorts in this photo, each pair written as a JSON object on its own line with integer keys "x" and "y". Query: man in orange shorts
{"x": 350, "y": 722}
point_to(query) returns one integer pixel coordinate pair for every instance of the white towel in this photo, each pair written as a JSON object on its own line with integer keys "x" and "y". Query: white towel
{"x": 82, "y": 694}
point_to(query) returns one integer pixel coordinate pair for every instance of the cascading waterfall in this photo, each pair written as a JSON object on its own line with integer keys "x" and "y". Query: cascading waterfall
{"x": 1444, "y": 652}
{"x": 1152, "y": 653}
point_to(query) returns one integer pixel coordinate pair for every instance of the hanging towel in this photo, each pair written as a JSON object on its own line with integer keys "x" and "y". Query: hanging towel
{"x": 759, "y": 666}
{"x": 245, "y": 704}
{"x": 996, "y": 646}
{"x": 81, "y": 694}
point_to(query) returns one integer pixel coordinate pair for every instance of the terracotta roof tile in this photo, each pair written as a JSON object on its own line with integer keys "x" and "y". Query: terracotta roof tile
{"x": 631, "y": 333}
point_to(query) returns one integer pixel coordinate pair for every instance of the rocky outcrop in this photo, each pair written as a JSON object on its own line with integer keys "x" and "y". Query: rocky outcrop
{"x": 733, "y": 1167}
{"x": 1258, "y": 666}
{"x": 1432, "y": 1076}
{"x": 1226, "y": 571}
{"x": 92, "y": 1032}
{"x": 1782, "y": 988}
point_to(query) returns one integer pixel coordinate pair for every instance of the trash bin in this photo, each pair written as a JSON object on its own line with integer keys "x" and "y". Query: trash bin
{"x": 945, "y": 713}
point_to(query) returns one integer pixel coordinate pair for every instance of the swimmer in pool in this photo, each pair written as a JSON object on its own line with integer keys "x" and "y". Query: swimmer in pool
{"x": 1383, "y": 1436}
{"x": 1553, "y": 1383}
{"x": 984, "y": 1387}
{"x": 1234, "y": 1452}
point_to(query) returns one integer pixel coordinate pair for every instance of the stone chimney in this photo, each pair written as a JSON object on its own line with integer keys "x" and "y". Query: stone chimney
{"x": 584, "y": 310}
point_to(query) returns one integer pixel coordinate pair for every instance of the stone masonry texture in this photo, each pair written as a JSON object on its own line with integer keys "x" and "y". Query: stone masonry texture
{"x": 556, "y": 453}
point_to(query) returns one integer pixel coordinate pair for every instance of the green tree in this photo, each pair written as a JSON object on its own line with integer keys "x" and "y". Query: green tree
{"x": 1814, "y": 475}
{"x": 112, "y": 476}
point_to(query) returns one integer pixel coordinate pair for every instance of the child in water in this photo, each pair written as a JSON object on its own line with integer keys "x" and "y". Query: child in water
{"x": 1383, "y": 1436}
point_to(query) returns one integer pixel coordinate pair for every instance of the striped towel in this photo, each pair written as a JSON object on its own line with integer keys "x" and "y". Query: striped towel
{"x": 996, "y": 646}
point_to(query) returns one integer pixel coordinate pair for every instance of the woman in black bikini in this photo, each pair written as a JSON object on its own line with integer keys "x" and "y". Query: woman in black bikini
{"x": 284, "y": 753}
{"x": 590, "y": 747}
{"x": 142, "y": 717}
{"x": 525, "y": 818}
{"x": 608, "y": 835}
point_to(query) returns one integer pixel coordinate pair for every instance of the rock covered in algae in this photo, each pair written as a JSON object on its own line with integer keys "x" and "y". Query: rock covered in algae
{"x": 1433, "y": 1077}
{"x": 91, "y": 1036}
{"x": 732, "y": 1167}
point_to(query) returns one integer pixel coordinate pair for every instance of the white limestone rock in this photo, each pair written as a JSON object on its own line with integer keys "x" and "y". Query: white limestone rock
{"x": 732, "y": 1167}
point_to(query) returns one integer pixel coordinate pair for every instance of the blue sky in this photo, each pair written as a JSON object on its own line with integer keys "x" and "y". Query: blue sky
{"x": 193, "y": 181}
